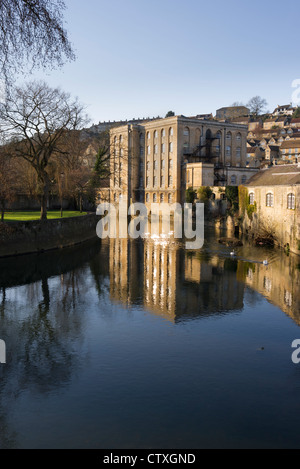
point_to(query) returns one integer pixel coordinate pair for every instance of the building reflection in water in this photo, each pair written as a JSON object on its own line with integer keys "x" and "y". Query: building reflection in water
{"x": 167, "y": 280}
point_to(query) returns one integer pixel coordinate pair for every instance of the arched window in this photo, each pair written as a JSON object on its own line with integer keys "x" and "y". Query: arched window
{"x": 161, "y": 198}
{"x": 186, "y": 132}
{"x": 170, "y": 198}
{"x": 147, "y": 197}
{"x": 154, "y": 198}
{"x": 171, "y": 132}
{"x": 121, "y": 139}
{"x": 155, "y": 134}
{"x": 291, "y": 201}
{"x": 238, "y": 138}
{"x": 238, "y": 152}
{"x": 163, "y": 133}
{"x": 233, "y": 179}
{"x": 244, "y": 179}
{"x": 148, "y": 135}
{"x": 269, "y": 200}
{"x": 228, "y": 136}
{"x": 251, "y": 198}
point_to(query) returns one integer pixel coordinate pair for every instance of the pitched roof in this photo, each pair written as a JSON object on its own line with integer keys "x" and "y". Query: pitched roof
{"x": 276, "y": 176}
{"x": 290, "y": 144}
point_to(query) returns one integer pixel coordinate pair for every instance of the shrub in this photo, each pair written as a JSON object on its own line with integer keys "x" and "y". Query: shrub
{"x": 190, "y": 195}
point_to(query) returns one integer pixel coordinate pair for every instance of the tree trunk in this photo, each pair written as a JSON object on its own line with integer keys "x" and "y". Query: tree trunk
{"x": 45, "y": 196}
{"x": 80, "y": 203}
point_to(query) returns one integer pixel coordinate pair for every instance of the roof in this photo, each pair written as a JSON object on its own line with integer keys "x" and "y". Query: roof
{"x": 276, "y": 176}
{"x": 287, "y": 106}
{"x": 290, "y": 144}
{"x": 274, "y": 147}
{"x": 296, "y": 120}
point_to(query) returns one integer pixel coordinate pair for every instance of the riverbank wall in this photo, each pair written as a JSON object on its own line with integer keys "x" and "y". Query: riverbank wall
{"x": 26, "y": 237}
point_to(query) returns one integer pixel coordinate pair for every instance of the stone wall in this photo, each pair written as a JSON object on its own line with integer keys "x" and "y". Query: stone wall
{"x": 284, "y": 223}
{"x": 36, "y": 236}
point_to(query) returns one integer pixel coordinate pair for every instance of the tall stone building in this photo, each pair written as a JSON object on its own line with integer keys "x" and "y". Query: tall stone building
{"x": 156, "y": 161}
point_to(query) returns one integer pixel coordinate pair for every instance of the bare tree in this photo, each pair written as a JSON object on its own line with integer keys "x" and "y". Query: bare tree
{"x": 34, "y": 121}
{"x": 257, "y": 105}
{"x": 32, "y": 32}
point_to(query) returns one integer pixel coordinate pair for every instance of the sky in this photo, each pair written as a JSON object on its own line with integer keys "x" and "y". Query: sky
{"x": 142, "y": 59}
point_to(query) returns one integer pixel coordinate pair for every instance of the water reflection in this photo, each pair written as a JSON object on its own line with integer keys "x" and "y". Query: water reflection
{"x": 42, "y": 325}
{"x": 51, "y": 303}
{"x": 177, "y": 284}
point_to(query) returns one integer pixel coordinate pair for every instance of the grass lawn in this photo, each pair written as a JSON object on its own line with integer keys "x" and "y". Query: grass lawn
{"x": 51, "y": 214}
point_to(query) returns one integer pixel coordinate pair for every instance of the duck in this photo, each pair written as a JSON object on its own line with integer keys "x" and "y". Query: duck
{"x": 232, "y": 253}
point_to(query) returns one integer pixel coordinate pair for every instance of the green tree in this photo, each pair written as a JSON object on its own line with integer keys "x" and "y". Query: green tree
{"x": 190, "y": 195}
{"x": 232, "y": 195}
{"x": 204, "y": 193}
{"x": 170, "y": 114}
{"x": 296, "y": 113}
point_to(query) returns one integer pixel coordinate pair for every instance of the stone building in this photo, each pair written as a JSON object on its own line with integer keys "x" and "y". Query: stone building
{"x": 156, "y": 161}
{"x": 231, "y": 112}
{"x": 275, "y": 194}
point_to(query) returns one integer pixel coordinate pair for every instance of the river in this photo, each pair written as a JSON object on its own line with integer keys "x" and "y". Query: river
{"x": 143, "y": 344}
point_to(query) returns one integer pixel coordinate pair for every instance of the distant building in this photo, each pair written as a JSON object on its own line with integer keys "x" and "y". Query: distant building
{"x": 231, "y": 112}
{"x": 284, "y": 110}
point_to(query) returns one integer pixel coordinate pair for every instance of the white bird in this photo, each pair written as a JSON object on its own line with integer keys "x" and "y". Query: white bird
{"x": 232, "y": 253}
{"x": 265, "y": 262}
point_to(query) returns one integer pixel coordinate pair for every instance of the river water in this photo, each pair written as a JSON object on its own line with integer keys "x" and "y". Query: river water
{"x": 143, "y": 344}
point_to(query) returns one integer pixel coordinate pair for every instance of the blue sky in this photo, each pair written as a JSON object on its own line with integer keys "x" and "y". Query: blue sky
{"x": 140, "y": 59}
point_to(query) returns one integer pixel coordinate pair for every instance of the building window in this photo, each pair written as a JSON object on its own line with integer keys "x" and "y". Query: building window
{"x": 291, "y": 201}
{"x": 162, "y": 180}
{"x": 154, "y": 198}
{"x": 155, "y": 181}
{"x": 155, "y": 134}
{"x": 170, "y": 198}
{"x": 148, "y": 165}
{"x": 238, "y": 152}
{"x": 251, "y": 198}
{"x": 171, "y": 147}
{"x": 163, "y": 133}
{"x": 155, "y": 149}
{"x": 163, "y": 147}
{"x": 171, "y": 132}
{"x": 171, "y": 164}
{"x": 228, "y": 136}
{"x": 155, "y": 164}
{"x": 141, "y": 151}
{"x": 170, "y": 181}
{"x": 269, "y": 200}
{"x": 121, "y": 153}
{"x": 244, "y": 179}
{"x": 147, "y": 181}
{"x": 162, "y": 164}
{"x": 233, "y": 179}
{"x": 121, "y": 139}
{"x": 228, "y": 150}
{"x": 147, "y": 197}
{"x": 148, "y": 150}
{"x": 186, "y": 132}
{"x": 161, "y": 198}
{"x": 115, "y": 197}
{"x": 238, "y": 137}
{"x": 120, "y": 181}
{"x": 148, "y": 135}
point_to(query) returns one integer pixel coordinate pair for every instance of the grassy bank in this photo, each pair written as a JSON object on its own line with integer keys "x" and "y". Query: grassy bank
{"x": 51, "y": 214}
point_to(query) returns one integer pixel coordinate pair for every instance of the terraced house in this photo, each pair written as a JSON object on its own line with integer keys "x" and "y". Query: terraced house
{"x": 157, "y": 160}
